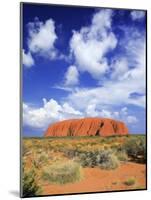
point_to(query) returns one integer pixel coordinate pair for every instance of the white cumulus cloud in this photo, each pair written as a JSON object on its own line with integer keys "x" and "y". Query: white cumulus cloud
{"x": 90, "y": 45}
{"x": 40, "y": 41}
{"x": 132, "y": 119}
{"x": 50, "y": 112}
{"x": 119, "y": 67}
{"x": 42, "y": 37}
{"x": 27, "y": 59}
{"x": 71, "y": 76}
{"x": 122, "y": 114}
{"x": 91, "y": 110}
{"x": 137, "y": 14}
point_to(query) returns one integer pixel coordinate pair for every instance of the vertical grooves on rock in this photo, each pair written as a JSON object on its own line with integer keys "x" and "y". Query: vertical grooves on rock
{"x": 87, "y": 126}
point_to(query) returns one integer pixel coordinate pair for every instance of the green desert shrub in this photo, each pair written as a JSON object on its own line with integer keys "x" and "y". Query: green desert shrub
{"x": 130, "y": 181}
{"x": 63, "y": 172}
{"x": 70, "y": 153}
{"x": 88, "y": 161}
{"x": 40, "y": 160}
{"x": 122, "y": 155}
{"x": 136, "y": 148}
{"x": 105, "y": 159}
{"x": 30, "y": 187}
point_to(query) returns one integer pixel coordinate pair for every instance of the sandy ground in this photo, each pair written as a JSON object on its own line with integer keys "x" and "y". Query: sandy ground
{"x": 97, "y": 180}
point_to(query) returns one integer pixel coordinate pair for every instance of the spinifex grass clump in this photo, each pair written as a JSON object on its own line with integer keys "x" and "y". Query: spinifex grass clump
{"x": 105, "y": 159}
{"x": 62, "y": 172}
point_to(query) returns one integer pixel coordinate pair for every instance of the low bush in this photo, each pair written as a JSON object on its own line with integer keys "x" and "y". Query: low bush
{"x": 70, "y": 153}
{"x": 122, "y": 155}
{"x": 105, "y": 159}
{"x": 136, "y": 148}
{"x": 130, "y": 181}
{"x": 87, "y": 161}
{"x": 62, "y": 172}
{"x": 41, "y": 159}
{"x": 30, "y": 187}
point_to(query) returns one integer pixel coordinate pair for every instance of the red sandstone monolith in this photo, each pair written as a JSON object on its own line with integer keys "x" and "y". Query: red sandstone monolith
{"x": 87, "y": 127}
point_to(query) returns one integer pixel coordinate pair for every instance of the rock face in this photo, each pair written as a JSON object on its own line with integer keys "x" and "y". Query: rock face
{"x": 87, "y": 127}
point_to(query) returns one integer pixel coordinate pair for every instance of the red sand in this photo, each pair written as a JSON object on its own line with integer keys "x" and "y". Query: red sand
{"x": 97, "y": 180}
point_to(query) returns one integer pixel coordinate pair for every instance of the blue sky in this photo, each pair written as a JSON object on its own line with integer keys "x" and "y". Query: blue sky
{"x": 83, "y": 62}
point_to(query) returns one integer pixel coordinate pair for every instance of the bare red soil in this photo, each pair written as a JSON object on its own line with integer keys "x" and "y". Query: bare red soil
{"x": 98, "y": 180}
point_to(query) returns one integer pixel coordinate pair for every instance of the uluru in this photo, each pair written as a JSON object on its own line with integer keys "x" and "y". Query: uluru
{"x": 87, "y": 127}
